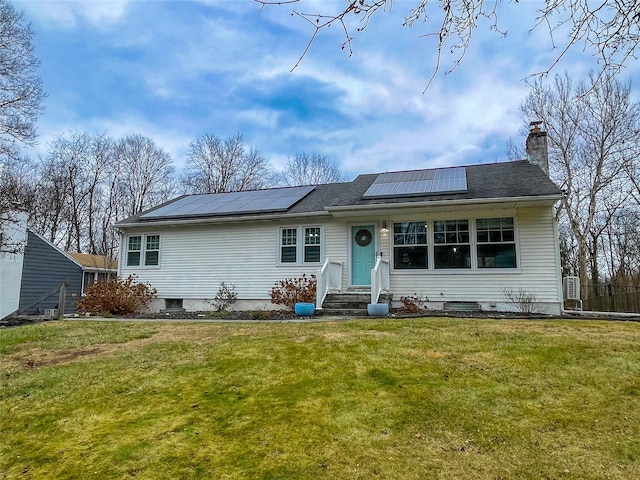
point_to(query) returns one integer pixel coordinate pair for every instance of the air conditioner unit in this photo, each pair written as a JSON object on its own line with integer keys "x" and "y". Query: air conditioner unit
{"x": 571, "y": 288}
{"x": 50, "y": 313}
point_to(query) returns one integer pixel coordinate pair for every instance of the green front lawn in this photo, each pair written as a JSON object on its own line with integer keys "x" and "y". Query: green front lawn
{"x": 387, "y": 399}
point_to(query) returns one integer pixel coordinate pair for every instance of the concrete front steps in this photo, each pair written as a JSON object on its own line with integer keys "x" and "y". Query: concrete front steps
{"x": 351, "y": 304}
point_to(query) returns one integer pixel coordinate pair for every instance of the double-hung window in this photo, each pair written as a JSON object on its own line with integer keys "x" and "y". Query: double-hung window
{"x": 288, "y": 245}
{"x": 496, "y": 243}
{"x": 134, "y": 250}
{"x": 145, "y": 247}
{"x": 410, "y": 250}
{"x": 300, "y": 244}
{"x": 152, "y": 250}
{"x": 451, "y": 244}
{"x": 311, "y": 244}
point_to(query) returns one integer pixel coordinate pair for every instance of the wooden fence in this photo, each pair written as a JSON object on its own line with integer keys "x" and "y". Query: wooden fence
{"x": 612, "y": 298}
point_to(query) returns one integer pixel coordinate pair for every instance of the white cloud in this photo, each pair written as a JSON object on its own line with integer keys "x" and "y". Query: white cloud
{"x": 173, "y": 141}
{"x": 203, "y": 65}
{"x": 69, "y": 14}
{"x": 259, "y": 117}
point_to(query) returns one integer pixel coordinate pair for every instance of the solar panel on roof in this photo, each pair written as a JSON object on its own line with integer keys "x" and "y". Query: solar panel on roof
{"x": 418, "y": 182}
{"x": 254, "y": 201}
{"x": 411, "y": 176}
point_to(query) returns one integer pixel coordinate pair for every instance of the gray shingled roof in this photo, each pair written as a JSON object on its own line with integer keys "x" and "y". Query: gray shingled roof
{"x": 484, "y": 181}
{"x": 488, "y": 180}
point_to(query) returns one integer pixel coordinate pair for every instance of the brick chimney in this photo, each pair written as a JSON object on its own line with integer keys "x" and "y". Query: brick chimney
{"x": 536, "y": 147}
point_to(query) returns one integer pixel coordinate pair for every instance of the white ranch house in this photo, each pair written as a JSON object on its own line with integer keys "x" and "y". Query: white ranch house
{"x": 460, "y": 234}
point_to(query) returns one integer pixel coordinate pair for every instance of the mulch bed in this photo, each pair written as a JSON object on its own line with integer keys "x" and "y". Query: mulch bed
{"x": 280, "y": 315}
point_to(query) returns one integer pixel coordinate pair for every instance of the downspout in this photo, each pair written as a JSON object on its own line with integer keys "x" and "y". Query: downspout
{"x": 556, "y": 248}
{"x": 121, "y": 236}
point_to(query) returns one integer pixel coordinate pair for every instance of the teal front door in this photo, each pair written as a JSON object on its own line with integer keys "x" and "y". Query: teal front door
{"x": 363, "y": 254}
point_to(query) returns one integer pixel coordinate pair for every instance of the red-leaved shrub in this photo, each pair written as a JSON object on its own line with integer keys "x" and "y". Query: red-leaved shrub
{"x": 117, "y": 297}
{"x": 290, "y": 291}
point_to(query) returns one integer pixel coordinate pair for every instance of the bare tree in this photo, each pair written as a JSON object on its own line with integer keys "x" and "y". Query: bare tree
{"x": 593, "y": 129}
{"x": 21, "y": 90}
{"x": 114, "y": 208}
{"x": 21, "y": 97}
{"x": 611, "y": 30}
{"x": 87, "y": 182}
{"x": 311, "y": 169}
{"x": 147, "y": 173}
{"x": 215, "y": 166}
{"x": 71, "y": 185}
{"x": 17, "y": 182}
{"x": 17, "y": 194}
{"x": 624, "y": 248}
{"x": 633, "y": 174}
{"x": 49, "y": 214}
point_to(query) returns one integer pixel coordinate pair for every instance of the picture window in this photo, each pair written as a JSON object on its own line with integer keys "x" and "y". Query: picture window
{"x": 410, "y": 249}
{"x": 496, "y": 246}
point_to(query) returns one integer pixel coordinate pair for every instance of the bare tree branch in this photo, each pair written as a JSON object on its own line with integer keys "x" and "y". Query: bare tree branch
{"x": 215, "y": 166}
{"x": 311, "y": 169}
{"x": 593, "y": 129}
{"x": 610, "y": 29}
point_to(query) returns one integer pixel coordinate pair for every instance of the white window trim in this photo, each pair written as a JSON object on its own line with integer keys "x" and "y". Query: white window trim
{"x": 473, "y": 244}
{"x": 394, "y": 246}
{"x": 433, "y": 245}
{"x": 143, "y": 250}
{"x": 300, "y": 229}
{"x": 515, "y": 243}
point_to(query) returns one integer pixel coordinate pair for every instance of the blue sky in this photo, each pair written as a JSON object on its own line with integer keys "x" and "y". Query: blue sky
{"x": 174, "y": 70}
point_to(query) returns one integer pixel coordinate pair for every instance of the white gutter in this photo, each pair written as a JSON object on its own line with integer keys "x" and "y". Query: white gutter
{"x": 206, "y": 220}
{"x": 551, "y": 199}
{"x": 336, "y": 211}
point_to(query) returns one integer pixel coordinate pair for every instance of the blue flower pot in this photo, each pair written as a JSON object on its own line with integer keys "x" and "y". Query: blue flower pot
{"x": 378, "y": 309}
{"x": 303, "y": 309}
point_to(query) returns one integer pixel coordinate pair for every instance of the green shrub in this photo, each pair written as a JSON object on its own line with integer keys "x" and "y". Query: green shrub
{"x": 117, "y": 297}
{"x": 290, "y": 291}
{"x": 260, "y": 315}
{"x": 226, "y": 296}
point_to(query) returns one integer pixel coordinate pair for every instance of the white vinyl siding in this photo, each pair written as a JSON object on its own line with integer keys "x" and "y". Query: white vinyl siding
{"x": 196, "y": 259}
{"x": 537, "y": 268}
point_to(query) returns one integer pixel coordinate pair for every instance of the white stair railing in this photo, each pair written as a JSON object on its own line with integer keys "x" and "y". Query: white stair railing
{"x": 328, "y": 279}
{"x": 379, "y": 279}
